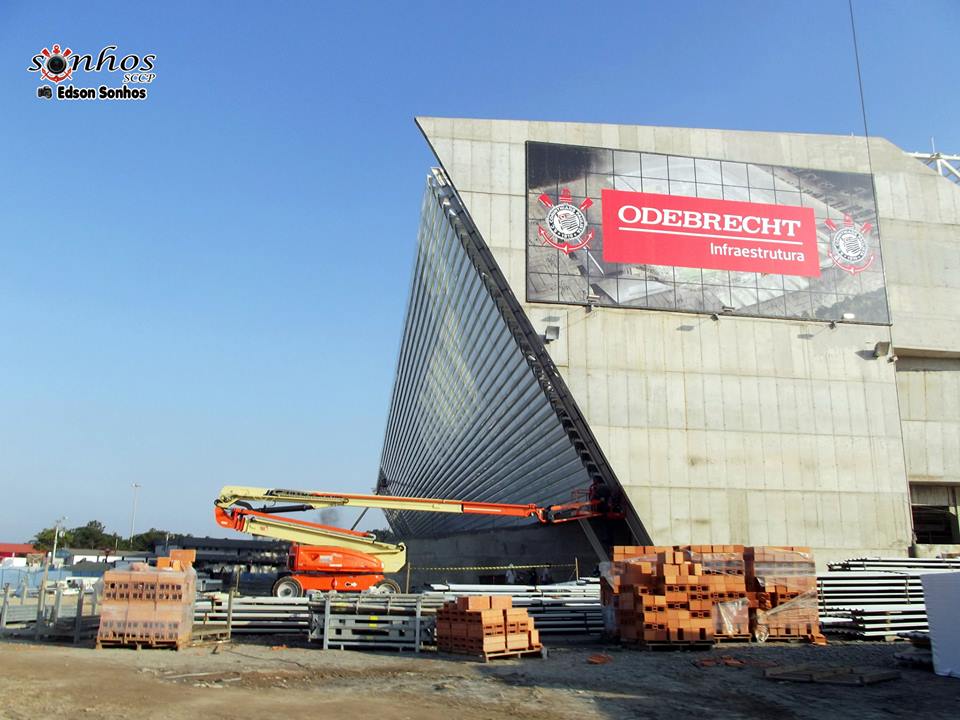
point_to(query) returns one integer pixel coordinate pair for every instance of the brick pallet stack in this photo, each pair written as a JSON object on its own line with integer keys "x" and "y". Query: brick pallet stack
{"x": 725, "y": 575}
{"x": 150, "y": 606}
{"x": 785, "y": 585}
{"x": 612, "y": 578}
{"x": 671, "y": 597}
{"x": 701, "y": 593}
{"x": 486, "y": 625}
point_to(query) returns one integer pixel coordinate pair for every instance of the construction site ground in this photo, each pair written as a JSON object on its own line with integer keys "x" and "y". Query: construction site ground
{"x": 258, "y": 679}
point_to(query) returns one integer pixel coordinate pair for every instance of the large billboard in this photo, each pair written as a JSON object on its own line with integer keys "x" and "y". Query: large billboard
{"x": 635, "y": 229}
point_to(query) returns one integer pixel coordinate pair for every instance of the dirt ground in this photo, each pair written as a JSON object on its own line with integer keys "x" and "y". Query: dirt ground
{"x": 256, "y": 680}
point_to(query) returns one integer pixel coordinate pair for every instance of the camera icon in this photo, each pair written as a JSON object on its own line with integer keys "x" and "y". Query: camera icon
{"x": 44, "y": 91}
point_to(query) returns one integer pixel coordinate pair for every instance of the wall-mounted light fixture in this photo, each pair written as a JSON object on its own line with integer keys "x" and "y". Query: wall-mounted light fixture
{"x": 881, "y": 348}
{"x": 846, "y": 317}
{"x": 551, "y": 333}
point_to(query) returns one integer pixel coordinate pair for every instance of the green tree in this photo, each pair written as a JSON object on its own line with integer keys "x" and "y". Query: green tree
{"x": 43, "y": 540}
{"x": 147, "y": 540}
{"x": 94, "y": 536}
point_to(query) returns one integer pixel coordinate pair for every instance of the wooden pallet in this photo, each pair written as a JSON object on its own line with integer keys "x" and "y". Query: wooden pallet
{"x": 138, "y": 643}
{"x": 487, "y": 657}
{"x": 745, "y": 637}
{"x": 660, "y": 645}
{"x": 816, "y": 673}
{"x": 209, "y": 632}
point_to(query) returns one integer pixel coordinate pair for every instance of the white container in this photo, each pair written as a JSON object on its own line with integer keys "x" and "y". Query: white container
{"x": 941, "y": 592}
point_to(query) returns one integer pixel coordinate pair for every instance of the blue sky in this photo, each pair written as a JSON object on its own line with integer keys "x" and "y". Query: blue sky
{"x": 208, "y": 287}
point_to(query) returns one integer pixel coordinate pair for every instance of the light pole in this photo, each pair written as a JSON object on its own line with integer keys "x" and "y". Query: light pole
{"x": 42, "y": 593}
{"x": 56, "y": 536}
{"x": 133, "y": 513}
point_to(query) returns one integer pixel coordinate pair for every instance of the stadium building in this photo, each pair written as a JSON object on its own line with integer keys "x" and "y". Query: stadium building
{"x": 749, "y": 338}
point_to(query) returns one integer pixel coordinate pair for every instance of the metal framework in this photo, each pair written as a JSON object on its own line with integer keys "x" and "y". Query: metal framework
{"x": 946, "y": 165}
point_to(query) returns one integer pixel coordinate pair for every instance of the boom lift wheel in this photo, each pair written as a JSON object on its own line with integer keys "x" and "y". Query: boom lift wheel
{"x": 287, "y": 587}
{"x": 386, "y": 587}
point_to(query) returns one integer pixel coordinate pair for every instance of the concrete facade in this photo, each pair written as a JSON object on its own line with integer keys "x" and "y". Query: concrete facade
{"x": 749, "y": 430}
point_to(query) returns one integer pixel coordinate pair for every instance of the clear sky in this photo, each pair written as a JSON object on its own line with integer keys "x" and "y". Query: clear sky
{"x": 208, "y": 287}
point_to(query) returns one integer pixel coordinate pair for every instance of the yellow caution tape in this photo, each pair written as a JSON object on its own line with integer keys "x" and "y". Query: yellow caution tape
{"x": 492, "y": 567}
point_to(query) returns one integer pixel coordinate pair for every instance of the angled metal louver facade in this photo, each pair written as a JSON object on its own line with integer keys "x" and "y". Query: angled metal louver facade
{"x": 474, "y": 411}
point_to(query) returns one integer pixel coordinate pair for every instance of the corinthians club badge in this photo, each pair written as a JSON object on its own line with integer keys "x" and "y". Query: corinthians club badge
{"x": 566, "y": 228}
{"x": 850, "y": 245}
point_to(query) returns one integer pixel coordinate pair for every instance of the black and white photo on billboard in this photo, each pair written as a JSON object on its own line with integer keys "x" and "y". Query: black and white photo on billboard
{"x": 850, "y": 285}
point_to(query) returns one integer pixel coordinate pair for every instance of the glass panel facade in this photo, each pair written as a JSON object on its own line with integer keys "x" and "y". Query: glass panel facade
{"x": 839, "y": 200}
{"x": 468, "y": 417}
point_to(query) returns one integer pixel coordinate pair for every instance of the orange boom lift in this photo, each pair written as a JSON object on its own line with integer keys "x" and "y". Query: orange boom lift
{"x": 323, "y": 557}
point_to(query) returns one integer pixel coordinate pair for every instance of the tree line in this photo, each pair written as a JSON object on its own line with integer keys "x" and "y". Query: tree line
{"x": 94, "y": 536}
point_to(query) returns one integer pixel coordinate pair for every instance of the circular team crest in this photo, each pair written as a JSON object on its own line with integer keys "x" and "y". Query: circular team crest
{"x": 56, "y": 67}
{"x": 566, "y": 222}
{"x": 849, "y": 245}
{"x": 566, "y": 228}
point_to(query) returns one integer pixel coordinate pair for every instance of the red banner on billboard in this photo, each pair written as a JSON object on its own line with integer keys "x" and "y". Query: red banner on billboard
{"x": 651, "y": 229}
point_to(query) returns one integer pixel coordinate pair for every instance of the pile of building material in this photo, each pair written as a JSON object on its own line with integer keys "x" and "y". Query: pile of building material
{"x": 877, "y": 598}
{"x": 898, "y": 564}
{"x": 785, "y": 582}
{"x": 369, "y": 621}
{"x": 149, "y": 606}
{"x": 698, "y": 594}
{"x": 257, "y": 615}
{"x": 486, "y": 626}
{"x": 871, "y": 605}
{"x": 563, "y": 608}
{"x": 671, "y": 596}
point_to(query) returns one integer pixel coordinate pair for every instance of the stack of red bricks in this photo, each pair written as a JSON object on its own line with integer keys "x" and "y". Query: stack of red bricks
{"x": 725, "y": 574}
{"x": 149, "y": 606}
{"x": 665, "y": 596}
{"x": 702, "y": 593}
{"x": 485, "y": 625}
{"x": 783, "y": 585}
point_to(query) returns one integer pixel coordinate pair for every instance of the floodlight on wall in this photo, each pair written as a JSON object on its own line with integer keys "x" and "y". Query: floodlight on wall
{"x": 551, "y": 333}
{"x": 592, "y": 301}
{"x": 846, "y": 317}
{"x": 881, "y": 348}
{"x": 714, "y": 316}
